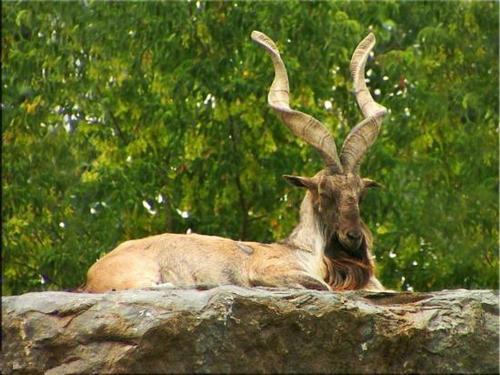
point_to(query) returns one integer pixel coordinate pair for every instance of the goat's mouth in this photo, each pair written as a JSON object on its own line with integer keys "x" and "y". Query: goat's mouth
{"x": 336, "y": 248}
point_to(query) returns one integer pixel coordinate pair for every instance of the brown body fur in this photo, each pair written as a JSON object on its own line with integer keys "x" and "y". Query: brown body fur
{"x": 196, "y": 260}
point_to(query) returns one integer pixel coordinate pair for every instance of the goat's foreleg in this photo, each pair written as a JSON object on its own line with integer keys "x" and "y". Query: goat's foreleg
{"x": 284, "y": 277}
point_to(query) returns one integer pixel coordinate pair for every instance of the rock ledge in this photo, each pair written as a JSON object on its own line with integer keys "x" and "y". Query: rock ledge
{"x": 237, "y": 330}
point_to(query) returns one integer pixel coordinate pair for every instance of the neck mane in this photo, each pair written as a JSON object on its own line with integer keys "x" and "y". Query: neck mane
{"x": 339, "y": 269}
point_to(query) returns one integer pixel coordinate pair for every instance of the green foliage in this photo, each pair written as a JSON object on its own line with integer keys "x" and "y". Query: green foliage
{"x": 122, "y": 120}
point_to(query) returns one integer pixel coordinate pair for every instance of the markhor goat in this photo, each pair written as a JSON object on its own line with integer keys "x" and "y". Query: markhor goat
{"x": 328, "y": 250}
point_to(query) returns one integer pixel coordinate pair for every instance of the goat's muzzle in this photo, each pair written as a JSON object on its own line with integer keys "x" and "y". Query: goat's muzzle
{"x": 344, "y": 245}
{"x": 351, "y": 242}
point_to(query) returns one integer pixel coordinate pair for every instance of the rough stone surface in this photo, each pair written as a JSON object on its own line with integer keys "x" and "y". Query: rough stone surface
{"x": 236, "y": 330}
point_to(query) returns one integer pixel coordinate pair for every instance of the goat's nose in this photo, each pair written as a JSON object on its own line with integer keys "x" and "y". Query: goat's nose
{"x": 354, "y": 234}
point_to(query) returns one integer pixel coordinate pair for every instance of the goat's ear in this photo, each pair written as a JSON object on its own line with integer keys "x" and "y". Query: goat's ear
{"x": 305, "y": 182}
{"x": 367, "y": 183}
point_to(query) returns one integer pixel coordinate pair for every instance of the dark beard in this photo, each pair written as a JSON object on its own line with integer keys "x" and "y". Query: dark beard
{"x": 347, "y": 269}
{"x": 334, "y": 249}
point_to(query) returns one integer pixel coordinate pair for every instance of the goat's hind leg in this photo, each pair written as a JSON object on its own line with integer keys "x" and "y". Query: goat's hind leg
{"x": 122, "y": 271}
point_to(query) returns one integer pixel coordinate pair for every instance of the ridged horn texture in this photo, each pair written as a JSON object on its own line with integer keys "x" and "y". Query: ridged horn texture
{"x": 363, "y": 135}
{"x": 302, "y": 125}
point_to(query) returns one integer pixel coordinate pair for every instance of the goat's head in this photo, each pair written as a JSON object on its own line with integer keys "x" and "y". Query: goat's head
{"x": 336, "y": 191}
{"x": 335, "y": 200}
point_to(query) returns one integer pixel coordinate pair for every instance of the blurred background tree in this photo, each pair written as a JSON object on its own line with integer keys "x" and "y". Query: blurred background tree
{"x": 123, "y": 120}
